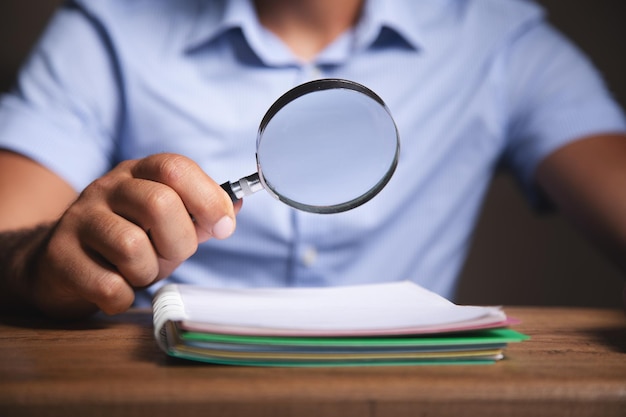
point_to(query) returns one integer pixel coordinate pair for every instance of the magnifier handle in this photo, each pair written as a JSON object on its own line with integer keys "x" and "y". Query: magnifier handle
{"x": 228, "y": 187}
{"x": 244, "y": 187}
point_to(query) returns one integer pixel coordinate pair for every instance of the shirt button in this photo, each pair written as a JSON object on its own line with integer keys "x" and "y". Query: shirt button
{"x": 309, "y": 256}
{"x": 316, "y": 72}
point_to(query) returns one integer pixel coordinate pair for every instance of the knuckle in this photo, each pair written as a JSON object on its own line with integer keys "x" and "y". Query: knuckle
{"x": 161, "y": 200}
{"x": 140, "y": 272}
{"x": 145, "y": 275}
{"x": 108, "y": 289}
{"x": 181, "y": 251}
{"x": 126, "y": 165}
{"x": 112, "y": 294}
{"x": 131, "y": 243}
{"x": 173, "y": 167}
{"x": 135, "y": 259}
{"x": 99, "y": 186}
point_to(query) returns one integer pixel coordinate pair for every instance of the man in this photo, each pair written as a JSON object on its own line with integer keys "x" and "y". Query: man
{"x": 129, "y": 114}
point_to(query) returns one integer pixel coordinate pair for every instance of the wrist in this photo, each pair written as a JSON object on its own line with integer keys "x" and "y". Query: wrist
{"x": 20, "y": 254}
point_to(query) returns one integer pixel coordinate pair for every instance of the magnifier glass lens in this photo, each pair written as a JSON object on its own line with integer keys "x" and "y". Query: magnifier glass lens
{"x": 327, "y": 148}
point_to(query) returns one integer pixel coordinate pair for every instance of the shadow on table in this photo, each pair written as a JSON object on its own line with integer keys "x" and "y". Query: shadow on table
{"x": 41, "y": 322}
{"x": 613, "y": 338}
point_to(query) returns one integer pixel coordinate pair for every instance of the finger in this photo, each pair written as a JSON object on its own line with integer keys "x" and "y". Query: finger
{"x": 161, "y": 215}
{"x": 107, "y": 289}
{"x": 76, "y": 278}
{"x": 123, "y": 245}
{"x": 204, "y": 199}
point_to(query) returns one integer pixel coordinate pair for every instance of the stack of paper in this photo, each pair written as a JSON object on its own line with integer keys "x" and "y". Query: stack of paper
{"x": 378, "y": 324}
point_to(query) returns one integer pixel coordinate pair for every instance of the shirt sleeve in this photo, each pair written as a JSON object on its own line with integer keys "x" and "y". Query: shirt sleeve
{"x": 554, "y": 96}
{"x": 64, "y": 109}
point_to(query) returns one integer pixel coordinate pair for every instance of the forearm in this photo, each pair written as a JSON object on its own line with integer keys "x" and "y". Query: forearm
{"x": 587, "y": 181}
{"x": 19, "y": 254}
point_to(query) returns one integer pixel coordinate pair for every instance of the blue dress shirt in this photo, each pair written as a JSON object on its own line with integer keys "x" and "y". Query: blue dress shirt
{"x": 470, "y": 83}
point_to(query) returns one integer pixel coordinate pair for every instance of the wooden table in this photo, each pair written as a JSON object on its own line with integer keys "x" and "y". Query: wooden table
{"x": 574, "y": 365}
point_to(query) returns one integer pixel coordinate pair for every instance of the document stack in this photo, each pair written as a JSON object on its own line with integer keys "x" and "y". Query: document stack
{"x": 397, "y": 323}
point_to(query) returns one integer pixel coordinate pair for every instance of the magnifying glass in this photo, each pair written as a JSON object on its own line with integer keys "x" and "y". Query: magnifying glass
{"x": 325, "y": 146}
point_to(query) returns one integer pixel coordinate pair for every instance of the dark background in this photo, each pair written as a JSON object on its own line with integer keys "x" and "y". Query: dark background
{"x": 518, "y": 256}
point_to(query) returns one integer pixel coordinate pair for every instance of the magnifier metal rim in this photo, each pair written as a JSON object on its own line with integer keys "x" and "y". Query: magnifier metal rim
{"x": 319, "y": 85}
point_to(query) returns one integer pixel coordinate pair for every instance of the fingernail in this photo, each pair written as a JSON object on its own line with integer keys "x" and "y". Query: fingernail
{"x": 223, "y": 228}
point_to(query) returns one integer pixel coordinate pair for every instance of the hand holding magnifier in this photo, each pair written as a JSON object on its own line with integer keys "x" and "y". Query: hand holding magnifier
{"x": 325, "y": 146}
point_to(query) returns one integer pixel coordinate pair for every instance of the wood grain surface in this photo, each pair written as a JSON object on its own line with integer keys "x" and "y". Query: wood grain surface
{"x": 574, "y": 365}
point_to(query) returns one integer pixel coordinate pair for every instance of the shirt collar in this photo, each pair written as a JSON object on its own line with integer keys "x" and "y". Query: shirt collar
{"x": 217, "y": 17}
{"x": 397, "y": 15}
